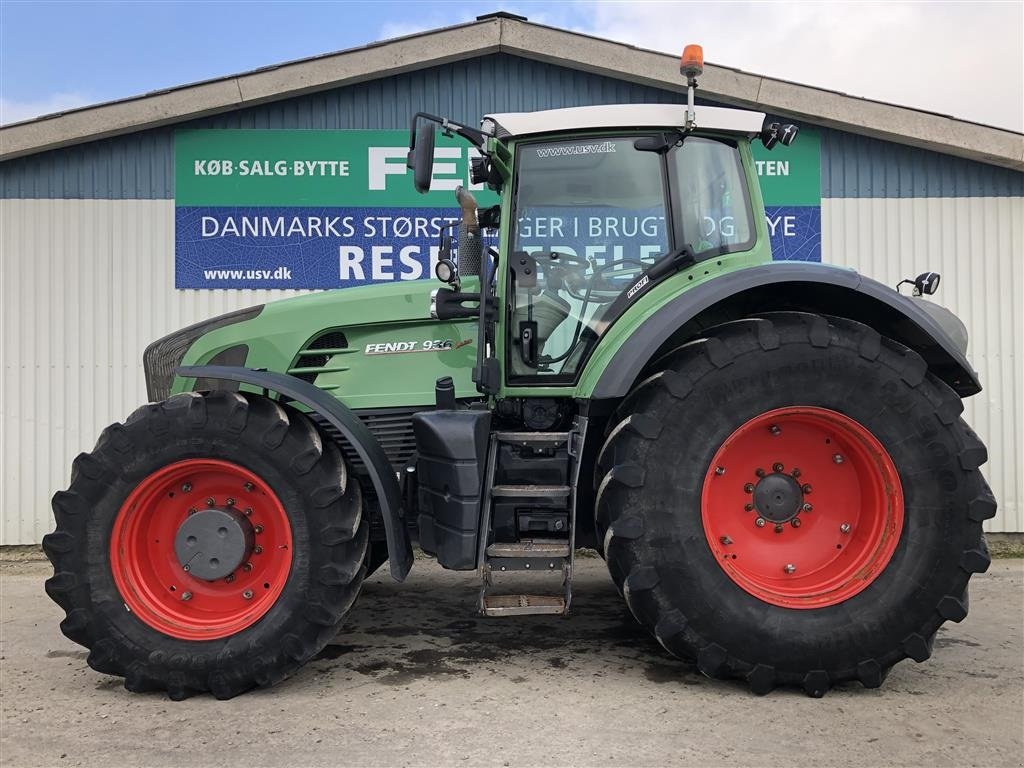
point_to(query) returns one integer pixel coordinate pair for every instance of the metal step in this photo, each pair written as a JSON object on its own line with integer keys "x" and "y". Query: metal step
{"x": 523, "y": 549}
{"x": 531, "y": 491}
{"x": 522, "y": 605}
{"x": 531, "y": 438}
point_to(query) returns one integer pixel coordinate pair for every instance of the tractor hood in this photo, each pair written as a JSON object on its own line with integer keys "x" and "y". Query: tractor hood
{"x": 373, "y": 346}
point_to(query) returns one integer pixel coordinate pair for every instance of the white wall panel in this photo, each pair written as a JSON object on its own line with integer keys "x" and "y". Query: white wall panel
{"x": 977, "y": 245}
{"x": 87, "y": 284}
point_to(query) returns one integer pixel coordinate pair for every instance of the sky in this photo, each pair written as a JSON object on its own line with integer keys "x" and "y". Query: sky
{"x": 959, "y": 58}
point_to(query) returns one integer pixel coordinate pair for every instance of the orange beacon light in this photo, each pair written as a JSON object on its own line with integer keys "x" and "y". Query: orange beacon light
{"x": 692, "y": 62}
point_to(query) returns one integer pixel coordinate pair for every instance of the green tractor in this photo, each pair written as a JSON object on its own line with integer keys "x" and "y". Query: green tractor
{"x": 769, "y": 456}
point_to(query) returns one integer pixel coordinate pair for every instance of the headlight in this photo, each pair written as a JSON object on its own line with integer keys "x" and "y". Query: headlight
{"x": 163, "y": 356}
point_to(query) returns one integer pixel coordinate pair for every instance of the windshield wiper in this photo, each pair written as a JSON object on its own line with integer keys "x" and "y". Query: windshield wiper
{"x": 667, "y": 264}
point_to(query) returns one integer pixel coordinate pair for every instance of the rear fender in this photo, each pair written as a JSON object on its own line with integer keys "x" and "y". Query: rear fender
{"x": 349, "y": 425}
{"x": 798, "y": 286}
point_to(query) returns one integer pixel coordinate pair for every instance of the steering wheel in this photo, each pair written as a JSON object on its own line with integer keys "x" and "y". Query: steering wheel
{"x": 563, "y": 261}
{"x": 584, "y": 288}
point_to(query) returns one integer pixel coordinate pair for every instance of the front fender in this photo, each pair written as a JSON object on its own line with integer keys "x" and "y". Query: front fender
{"x": 803, "y": 286}
{"x": 349, "y": 425}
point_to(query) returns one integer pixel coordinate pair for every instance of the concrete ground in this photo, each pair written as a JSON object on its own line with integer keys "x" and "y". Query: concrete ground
{"x": 416, "y": 678}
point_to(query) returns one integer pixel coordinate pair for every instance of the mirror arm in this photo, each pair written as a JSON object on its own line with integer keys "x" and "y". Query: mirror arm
{"x": 476, "y": 137}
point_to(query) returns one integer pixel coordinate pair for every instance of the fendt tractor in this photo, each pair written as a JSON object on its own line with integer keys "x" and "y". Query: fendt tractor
{"x": 769, "y": 456}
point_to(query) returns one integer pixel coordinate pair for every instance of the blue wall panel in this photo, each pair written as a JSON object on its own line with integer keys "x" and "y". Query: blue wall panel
{"x": 141, "y": 165}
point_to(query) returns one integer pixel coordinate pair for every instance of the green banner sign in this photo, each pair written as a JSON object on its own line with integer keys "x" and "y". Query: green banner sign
{"x": 314, "y": 168}
{"x": 790, "y": 175}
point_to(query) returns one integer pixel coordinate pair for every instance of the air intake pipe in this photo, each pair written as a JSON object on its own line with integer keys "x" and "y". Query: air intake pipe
{"x": 470, "y": 244}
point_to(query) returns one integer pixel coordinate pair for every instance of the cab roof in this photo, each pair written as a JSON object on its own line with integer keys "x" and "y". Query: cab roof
{"x": 629, "y": 116}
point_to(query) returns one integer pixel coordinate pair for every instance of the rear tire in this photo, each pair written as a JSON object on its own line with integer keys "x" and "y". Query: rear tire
{"x": 113, "y": 550}
{"x": 676, "y": 567}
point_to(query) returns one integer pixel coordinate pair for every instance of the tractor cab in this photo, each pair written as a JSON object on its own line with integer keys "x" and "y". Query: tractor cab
{"x": 599, "y": 205}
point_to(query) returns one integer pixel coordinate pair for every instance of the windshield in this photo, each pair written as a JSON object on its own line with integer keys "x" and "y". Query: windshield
{"x": 590, "y": 217}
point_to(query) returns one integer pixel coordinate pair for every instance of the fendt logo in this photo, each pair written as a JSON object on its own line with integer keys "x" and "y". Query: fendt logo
{"x": 403, "y": 347}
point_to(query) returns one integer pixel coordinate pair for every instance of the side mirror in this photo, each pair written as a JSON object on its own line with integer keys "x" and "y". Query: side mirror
{"x": 421, "y": 158}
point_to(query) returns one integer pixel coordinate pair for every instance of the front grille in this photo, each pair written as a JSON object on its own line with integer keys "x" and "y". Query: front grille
{"x": 318, "y": 356}
{"x": 391, "y": 426}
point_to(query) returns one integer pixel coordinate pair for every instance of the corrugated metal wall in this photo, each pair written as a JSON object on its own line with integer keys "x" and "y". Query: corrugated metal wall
{"x": 976, "y": 244}
{"x": 88, "y": 282}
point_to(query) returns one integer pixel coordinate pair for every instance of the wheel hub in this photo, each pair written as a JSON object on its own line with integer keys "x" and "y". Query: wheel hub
{"x": 778, "y": 498}
{"x": 213, "y": 542}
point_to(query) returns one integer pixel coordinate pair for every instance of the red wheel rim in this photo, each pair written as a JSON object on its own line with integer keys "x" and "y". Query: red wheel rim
{"x": 154, "y": 584}
{"x": 845, "y": 491}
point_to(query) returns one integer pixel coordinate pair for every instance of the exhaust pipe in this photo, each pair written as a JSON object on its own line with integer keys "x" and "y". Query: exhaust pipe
{"x": 470, "y": 244}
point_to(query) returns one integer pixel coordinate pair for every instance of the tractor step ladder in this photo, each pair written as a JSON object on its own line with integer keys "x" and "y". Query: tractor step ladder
{"x": 530, "y": 555}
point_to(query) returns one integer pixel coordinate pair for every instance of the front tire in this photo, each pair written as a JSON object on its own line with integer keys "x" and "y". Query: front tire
{"x": 212, "y": 542}
{"x": 729, "y": 560}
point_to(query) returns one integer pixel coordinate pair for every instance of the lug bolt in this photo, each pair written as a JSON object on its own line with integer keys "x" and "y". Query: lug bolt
{"x": 719, "y": 471}
{"x": 210, "y": 502}
{"x": 806, "y": 488}
{"x": 844, "y": 528}
{"x": 192, "y": 511}
{"x": 749, "y": 487}
{"x": 231, "y": 502}
{"x": 186, "y": 568}
{"x": 249, "y": 487}
{"x": 258, "y": 529}
{"x": 774, "y": 429}
{"x": 778, "y": 527}
{"x": 247, "y": 594}
{"x": 257, "y": 549}
{"x": 795, "y": 522}
{"x": 807, "y": 507}
{"x": 789, "y": 568}
{"x": 777, "y": 467}
{"x": 186, "y": 487}
{"x": 748, "y": 507}
{"x": 759, "y": 522}
{"x": 725, "y": 540}
{"x": 229, "y": 578}
{"x": 838, "y": 458}
{"x": 248, "y": 511}
{"x": 759, "y": 472}
{"x": 795, "y": 472}
{"x": 247, "y": 567}
{"x": 186, "y": 596}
